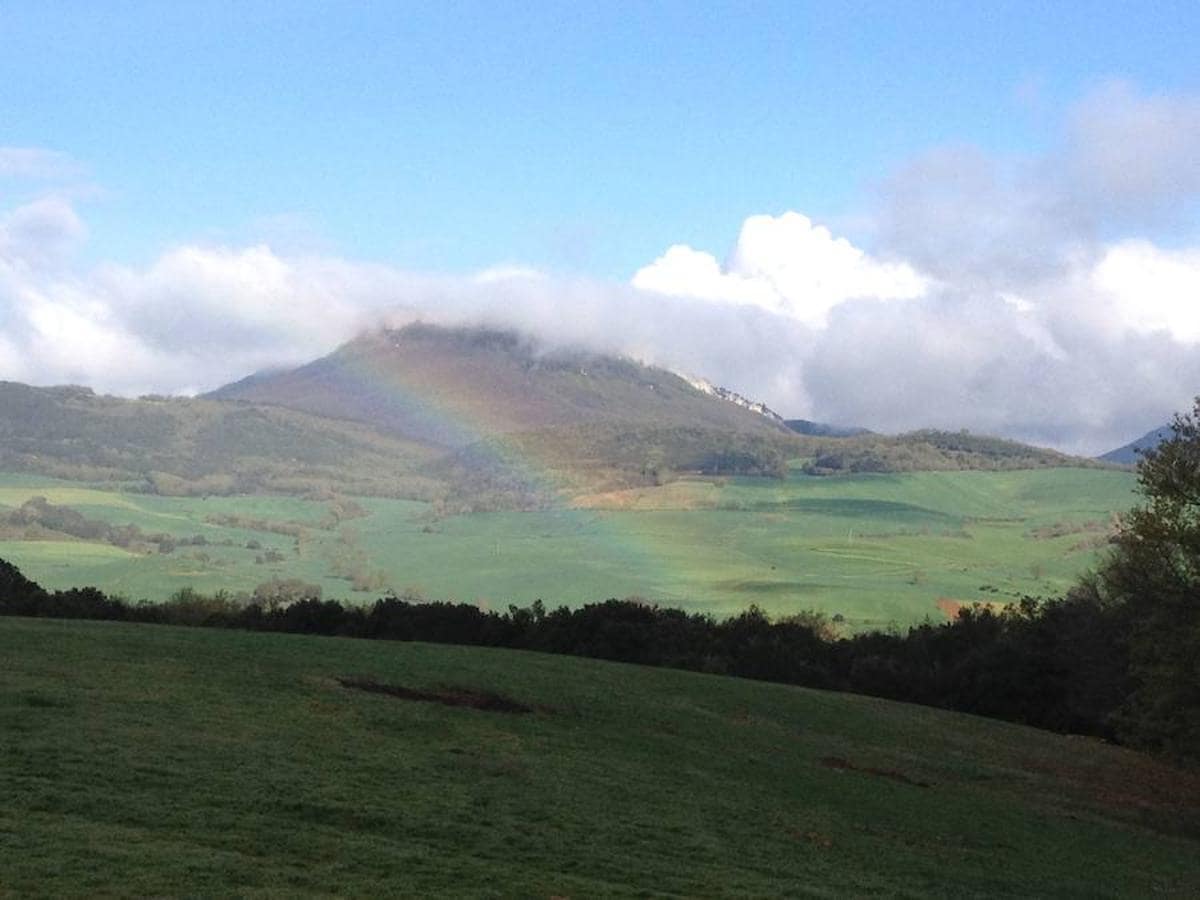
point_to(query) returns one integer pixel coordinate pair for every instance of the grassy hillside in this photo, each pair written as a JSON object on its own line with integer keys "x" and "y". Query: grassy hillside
{"x": 181, "y": 446}
{"x": 150, "y": 760}
{"x": 873, "y": 549}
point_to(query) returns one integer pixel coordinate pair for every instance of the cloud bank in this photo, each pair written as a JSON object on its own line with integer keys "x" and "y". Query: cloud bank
{"x": 1032, "y": 297}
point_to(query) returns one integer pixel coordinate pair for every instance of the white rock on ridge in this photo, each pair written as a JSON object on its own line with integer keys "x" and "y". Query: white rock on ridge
{"x": 707, "y": 387}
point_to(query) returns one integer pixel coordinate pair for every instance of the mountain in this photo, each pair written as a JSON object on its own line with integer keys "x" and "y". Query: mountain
{"x": 470, "y": 419}
{"x": 1129, "y": 454}
{"x": 452, "y": 387}
{"x": 515, "y": 423}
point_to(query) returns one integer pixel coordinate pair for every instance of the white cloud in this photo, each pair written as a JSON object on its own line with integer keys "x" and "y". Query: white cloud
{"x": 510, "y": 272}
{"x": 784, "y": 264}
{"x": 1151, "y": 289}
{"x": 1083, "y": 359}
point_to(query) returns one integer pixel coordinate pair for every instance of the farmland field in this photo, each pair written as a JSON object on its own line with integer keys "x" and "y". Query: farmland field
{"x": 155, "y": 761}
{"x": 874, "y": 550}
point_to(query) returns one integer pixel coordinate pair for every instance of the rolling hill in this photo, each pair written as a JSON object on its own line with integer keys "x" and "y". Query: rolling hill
{"x": 159, "y": 761}
{"x": 182, "y": 446}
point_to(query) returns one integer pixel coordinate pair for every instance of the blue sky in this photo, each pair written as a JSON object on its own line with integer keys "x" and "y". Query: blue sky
{"x": 577, "y": 137}
{"x": 897, "y": 215}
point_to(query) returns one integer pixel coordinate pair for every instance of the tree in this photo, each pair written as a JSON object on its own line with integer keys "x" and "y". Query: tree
{"x": 1153, "y": 577}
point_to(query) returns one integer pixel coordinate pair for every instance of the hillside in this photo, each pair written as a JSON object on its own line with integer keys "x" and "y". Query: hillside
{"x": 823, "y": 429}
{"x": 174, "y": 761}
{"x": 519, "y": 423}
{"x": 515, "y": 417}
{"x": 475, "y": 419}
{"x": 180, "y": 446}
{"x": 1130, "y": 453}
{"x": 930, "y": 450}
{"x": 455, "y": 386}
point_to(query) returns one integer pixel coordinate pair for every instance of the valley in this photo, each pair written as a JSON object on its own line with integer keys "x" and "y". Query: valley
{"x": 482, "y": 466}
{"x": 872, "y": 550}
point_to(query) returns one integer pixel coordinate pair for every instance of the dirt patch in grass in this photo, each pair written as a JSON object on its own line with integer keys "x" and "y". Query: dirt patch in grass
{"x": 447, "y": 696}
{"x": 679, "y": 495}
{"x": 837, "y": 762}
{"x": 951, "y": 607}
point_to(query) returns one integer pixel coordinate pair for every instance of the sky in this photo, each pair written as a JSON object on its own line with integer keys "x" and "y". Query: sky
{"x": 896, "y": 215}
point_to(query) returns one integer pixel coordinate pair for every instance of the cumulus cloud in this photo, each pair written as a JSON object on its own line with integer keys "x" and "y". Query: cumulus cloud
{"x": 200, "y": 316}
{"x": 1034, "y": 304}
{"x": 787, "y": 265}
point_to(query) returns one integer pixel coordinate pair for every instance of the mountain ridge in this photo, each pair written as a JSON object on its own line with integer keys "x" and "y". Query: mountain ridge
{"x": 469, "y": 419}
{"x": 1129, "y": 454}
{"x": 453, "y": 386}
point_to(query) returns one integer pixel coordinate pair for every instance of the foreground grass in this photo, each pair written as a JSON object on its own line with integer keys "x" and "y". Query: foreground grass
{"x": 151, "y": 760}
{"x": 874, "y": 549}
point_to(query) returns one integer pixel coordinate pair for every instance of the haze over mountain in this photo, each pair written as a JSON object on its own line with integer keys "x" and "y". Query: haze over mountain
{"x": 1130, "y": 453}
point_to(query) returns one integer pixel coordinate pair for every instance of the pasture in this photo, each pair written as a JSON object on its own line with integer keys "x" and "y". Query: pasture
{"x": 156, "y": 761}
{"x": 873, "y": 550}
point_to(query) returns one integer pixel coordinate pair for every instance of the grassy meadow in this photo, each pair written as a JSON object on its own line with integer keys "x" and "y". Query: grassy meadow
{"x": 875, "y": 549}
{"x": 155, "y": 761}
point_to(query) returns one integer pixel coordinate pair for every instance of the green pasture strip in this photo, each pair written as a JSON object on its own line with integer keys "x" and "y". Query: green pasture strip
{"x": 876, "y": 550}
{"x": 154, "y": 761}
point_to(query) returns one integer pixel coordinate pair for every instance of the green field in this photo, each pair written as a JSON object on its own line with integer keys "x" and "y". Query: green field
{"x": 155, "y": 761}
{"x": 874, "y": 549}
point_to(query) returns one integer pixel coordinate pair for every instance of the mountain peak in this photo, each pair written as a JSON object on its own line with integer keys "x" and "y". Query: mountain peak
{"x": 453, "y": 386}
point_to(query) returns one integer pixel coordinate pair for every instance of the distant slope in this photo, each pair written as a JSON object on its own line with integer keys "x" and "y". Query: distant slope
{"x": 931, "y": 451}
{"x": 157, "y": 761}
{"x": 192, "y": 446}
{"x": 1129, "y": 454}
{"x": 823, "y": 429}
{"x": 452, "y": 387}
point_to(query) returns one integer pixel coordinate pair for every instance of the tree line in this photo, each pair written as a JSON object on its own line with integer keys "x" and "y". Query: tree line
{"x": 1057, "y": 664}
